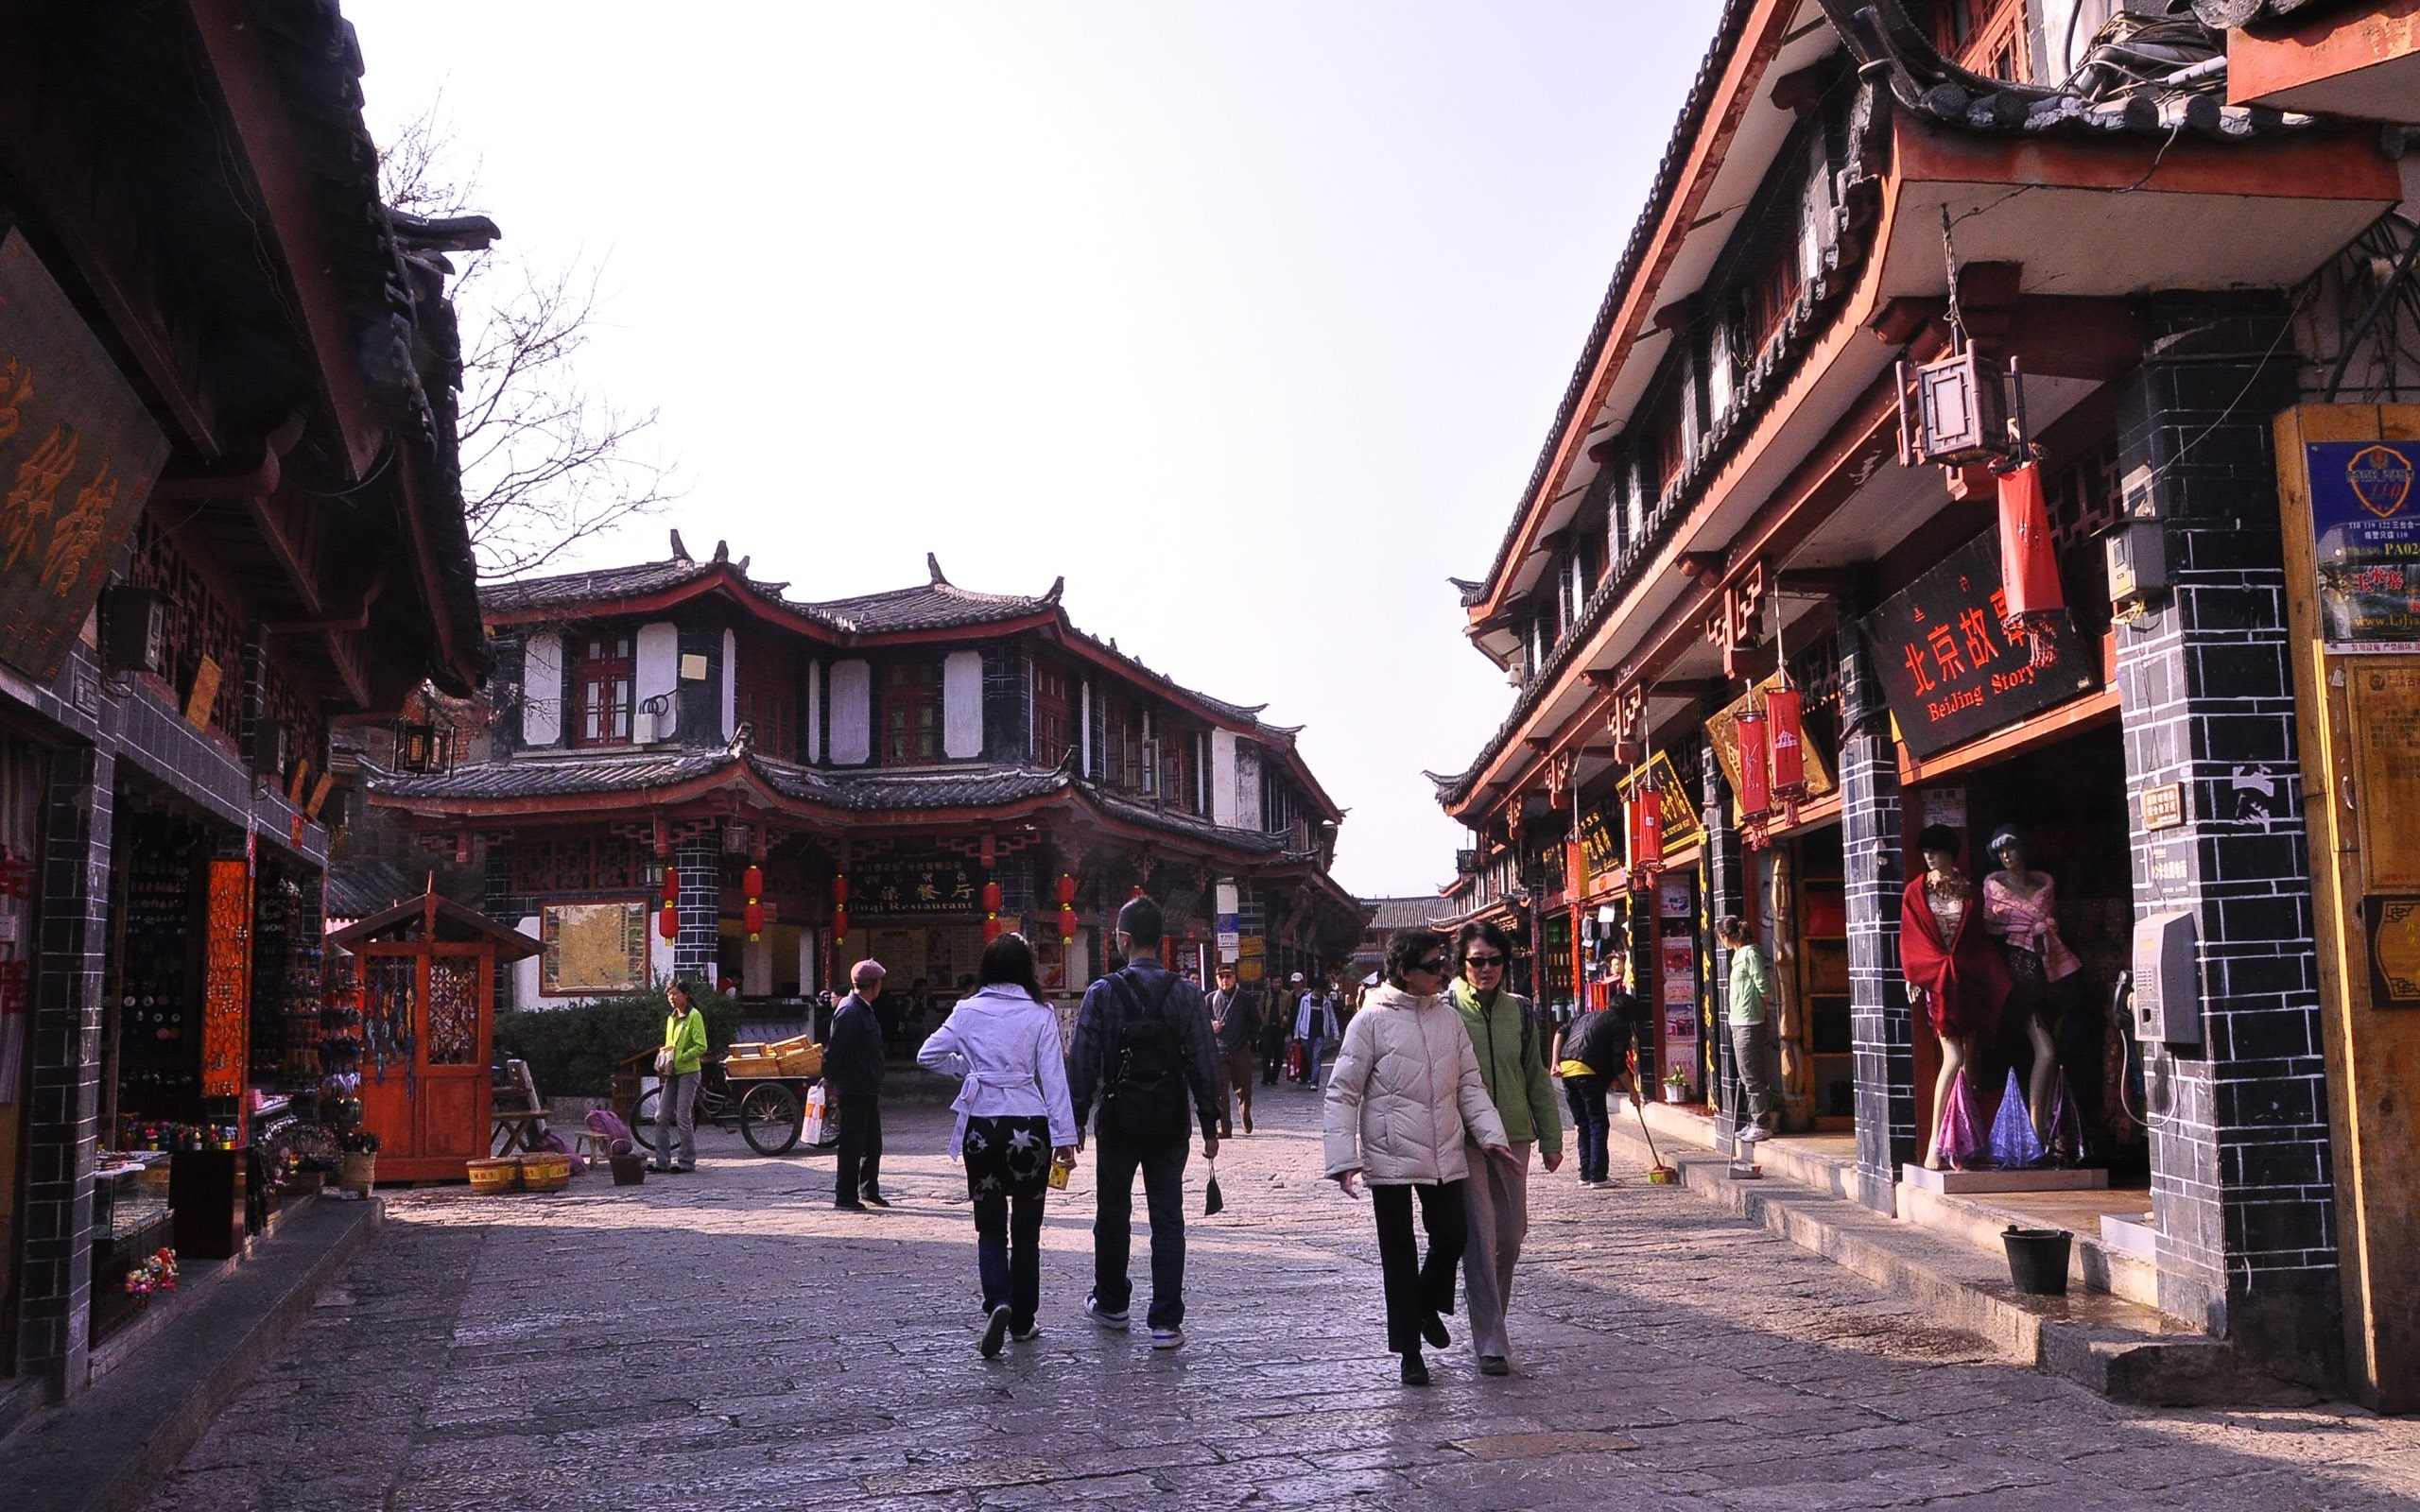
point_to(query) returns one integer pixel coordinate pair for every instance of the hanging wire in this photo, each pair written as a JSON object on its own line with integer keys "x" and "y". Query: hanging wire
{"x": 1949, "y": 261}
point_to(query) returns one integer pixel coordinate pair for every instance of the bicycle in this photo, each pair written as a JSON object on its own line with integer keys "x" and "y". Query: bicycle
{"x": 769, "y": 1113}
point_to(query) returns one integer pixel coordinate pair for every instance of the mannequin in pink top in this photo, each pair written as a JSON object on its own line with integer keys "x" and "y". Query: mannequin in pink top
{"x": 2020, "y": 911}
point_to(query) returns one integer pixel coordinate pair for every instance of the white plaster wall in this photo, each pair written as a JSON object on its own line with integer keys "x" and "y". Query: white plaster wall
{"x": 659, "y": 950}
{"x": 525, "y": 971}
{"x": 542, "y": 690}
{"x": 962, "y": 705}
{"x": 1247, "y": 785}
{"x": 811, "y": 750}
{"x": 757, "y": 966}
{"x": 658, "y": 671}
{"x": 730, "y": 685}
{"x": 1222, "y": 777}
{"x": 851, "y": 713}
{"x": 810, "y": 951}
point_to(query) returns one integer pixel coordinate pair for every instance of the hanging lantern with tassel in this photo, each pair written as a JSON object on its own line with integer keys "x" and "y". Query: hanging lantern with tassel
{"x": 2034, "y": 603}
{"x": 991, "y": 912}
{"x": 839, "y": 924}
{"x": 1066, "y": 908}
{"x": 1786, "y": 735}
{"x": 752, "y": 912}
{"x": 668, "y": 923}
{"x": 671, "y": 885}
{"x": 1755, "y": 774}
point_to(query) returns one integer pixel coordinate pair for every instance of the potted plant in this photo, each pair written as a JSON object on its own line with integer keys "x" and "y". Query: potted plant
{"x": 1676, "y": 1086}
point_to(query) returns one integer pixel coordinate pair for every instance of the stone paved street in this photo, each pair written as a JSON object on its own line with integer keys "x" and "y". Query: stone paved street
{"x": 727, "y": 1340}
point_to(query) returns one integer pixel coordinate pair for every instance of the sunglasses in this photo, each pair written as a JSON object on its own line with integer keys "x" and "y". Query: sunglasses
{"x": 1436, "y": 967}
{"x": 1483, "y": 963}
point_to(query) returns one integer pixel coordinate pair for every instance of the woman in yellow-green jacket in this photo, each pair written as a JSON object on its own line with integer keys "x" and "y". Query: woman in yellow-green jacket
{"x": 1511, "y": 1046}
{"x": 685, "y": 1050}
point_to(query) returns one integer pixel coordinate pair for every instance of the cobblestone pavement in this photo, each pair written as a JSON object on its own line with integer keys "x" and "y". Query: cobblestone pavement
{"x": 728, "y": 1340}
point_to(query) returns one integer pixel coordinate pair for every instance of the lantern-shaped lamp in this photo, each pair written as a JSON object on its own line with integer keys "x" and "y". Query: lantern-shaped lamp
{"x": 1756, "y": 771}
{"x": 991, "y": 912}
{"x": 752, "y": 912}
{"x": 671, "y": 885}
{"x": 839, "y": 924}
{"x": 1067, "y": 924}
{"x": 1066, "y": 890}
{"x": 840, "y": 890}
{"x": 668, "y": 923}
{"x": 1786, "y": 734}
{"x": 2029, "y": 563}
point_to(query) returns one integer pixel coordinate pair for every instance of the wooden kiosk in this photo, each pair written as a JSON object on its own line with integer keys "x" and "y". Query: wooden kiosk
{"x": 427, "y": 971}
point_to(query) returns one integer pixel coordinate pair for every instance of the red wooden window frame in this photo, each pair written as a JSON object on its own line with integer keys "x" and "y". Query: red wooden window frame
{"x": 765, "y": 689}
{"x": 602, "y": 678}
{"x": 911, "y": 712}
{"x": 1054, "y": 714}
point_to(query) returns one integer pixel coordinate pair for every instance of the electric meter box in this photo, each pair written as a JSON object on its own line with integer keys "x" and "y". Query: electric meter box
{"x": 2167, "y": 984}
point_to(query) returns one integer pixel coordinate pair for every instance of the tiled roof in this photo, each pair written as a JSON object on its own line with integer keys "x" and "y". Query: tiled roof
{"x": 1391, "y": 914}
{"x": 983, "y": 788}
{"x": 358, "y": 886}
{"x": 615, "y": 773}
{"x": 587, "y": 588}
{"x": 937, "y": 606}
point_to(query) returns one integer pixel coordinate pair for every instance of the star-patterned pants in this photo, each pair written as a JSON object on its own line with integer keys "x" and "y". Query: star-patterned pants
{"x": 1008, "y": 1170}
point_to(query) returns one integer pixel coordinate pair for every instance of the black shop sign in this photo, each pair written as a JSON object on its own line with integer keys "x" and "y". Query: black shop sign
{"x": 1950, "y": 671}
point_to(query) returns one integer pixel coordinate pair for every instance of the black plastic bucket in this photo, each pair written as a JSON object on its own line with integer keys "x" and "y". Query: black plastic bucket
{"x": 2037, "y": 1259}
{"x": 630, "y": 1170}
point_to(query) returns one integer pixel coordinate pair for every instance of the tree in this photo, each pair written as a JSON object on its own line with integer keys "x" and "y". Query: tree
{"x": 547, "y": 462}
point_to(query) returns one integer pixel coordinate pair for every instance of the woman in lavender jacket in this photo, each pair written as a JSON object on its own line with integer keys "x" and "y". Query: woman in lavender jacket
{"x": 1013, "y": 1119}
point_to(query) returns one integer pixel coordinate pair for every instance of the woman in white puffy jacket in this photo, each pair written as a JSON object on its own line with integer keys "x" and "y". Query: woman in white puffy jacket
{"x": 1405, "y": 1087}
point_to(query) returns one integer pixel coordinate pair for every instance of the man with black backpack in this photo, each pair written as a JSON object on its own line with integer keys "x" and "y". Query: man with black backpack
{"x": 1142, "y": 1043}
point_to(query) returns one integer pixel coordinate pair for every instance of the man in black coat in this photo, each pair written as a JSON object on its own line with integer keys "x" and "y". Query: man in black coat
{"x": 1234, "y": 1025}
{"x": 1142, "y": 1045}
{"x": 853, "y": 1072}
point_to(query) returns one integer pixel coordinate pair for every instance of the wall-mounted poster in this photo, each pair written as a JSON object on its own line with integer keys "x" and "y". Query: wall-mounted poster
{"x": 1949, "y": 670}
{"x": 2367, "y": 533}
{"x": 593, "y": 948}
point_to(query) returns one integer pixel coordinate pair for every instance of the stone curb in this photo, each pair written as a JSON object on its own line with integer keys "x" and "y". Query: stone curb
{"x": 2119, "y": 1349}
{"x": 108, "y": 1449}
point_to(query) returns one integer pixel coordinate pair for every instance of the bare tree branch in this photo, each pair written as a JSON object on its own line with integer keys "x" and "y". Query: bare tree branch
{"x": 547, "y": 462}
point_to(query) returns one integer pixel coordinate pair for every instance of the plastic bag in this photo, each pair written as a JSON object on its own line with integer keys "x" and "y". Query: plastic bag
{"x": 1213, "y": 1200}
{"x": 608, "y": 1123}
{"x": 2014, "y": 1146}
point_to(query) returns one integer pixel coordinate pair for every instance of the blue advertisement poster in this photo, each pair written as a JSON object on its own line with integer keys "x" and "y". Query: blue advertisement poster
{"x": 2365, "y": 521}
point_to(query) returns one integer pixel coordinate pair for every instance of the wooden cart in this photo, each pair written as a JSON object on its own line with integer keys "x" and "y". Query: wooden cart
{"x": 761, "y": 1091}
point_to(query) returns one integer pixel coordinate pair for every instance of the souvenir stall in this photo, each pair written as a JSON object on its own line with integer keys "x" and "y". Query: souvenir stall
{"x": 427, "y": 971}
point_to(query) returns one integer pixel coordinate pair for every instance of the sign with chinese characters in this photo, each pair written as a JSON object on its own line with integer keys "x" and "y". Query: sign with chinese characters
{"x": 2164, "y": 806}
{"x": 2394, "y": 951}
{"x": 1601, "y": 836}
{"x": 1723, "y": 735}
{"x": 921, "y": 884}
{"x": 592, "y": 947}
{"x": 1682, "y": 824}
{"x": 1950, "y": 671}
{"x": 227, "y": 979}
{"x": 79, "y": 454}
{"x": 2365, "y": 524}
{"x": 2384, "y": 699}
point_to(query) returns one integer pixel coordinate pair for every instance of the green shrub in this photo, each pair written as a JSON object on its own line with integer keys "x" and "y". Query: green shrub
{"x": 571, "y": 1052}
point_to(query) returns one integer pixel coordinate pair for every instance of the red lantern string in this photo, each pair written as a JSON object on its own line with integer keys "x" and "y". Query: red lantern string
{"x": 753, "y": 882}
{"x": 751, "y": 916}
{"x": 1066, "y": 890}
{"x": 840, "y": 925}
{"x": 669, "y": 922}
{"x": 840, "y": 890}
{"x": 1066, "y": 923}
{"x": 671, "y": 885}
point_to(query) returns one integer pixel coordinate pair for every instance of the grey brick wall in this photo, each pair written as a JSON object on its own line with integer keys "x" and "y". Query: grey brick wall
{"x": 54, "y": 1315}
{"x": 1880, "y": 1031}
{"x": 2241, "y": 1160}
{"x": 696, "y": 949}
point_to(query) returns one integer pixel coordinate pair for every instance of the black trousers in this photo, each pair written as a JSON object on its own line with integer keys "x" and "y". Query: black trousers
{"x": 860, "y": 1157}
{"x": 1415, "y": 1289}
{"x": 1591, "y": 1121}
{"x": 1163, "y": 1168}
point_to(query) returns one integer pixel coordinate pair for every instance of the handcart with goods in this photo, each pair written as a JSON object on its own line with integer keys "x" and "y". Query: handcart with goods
{"x": 759, "y": 1089}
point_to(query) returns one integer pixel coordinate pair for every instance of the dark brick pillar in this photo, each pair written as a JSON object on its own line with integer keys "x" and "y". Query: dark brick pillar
{"x": 1723, "y": 893}
{"x": 2241, "y": 1174}
{"x": 499, "y": 902}
{"x": 1880, "y": 1031}
{"x": 697, "y": 950}
{"x": 54, "y": 1318}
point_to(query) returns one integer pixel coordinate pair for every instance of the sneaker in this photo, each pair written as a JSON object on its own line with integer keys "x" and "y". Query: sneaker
{"x": 994, "y": 1331}
{"x": 1167, "y": 1338}
{"x": 1027, "y": 1334}
{"x": 1415, "y": 1370}
{"x": 1495, "y": 1364}
{"x": 876, "y": 1199}
{"x": 1755, "y": 1134}
{"x": 1104, "y": 1316}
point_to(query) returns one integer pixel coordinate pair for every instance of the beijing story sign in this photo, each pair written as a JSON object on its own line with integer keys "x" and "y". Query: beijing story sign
{"x": 1949, "y": 671}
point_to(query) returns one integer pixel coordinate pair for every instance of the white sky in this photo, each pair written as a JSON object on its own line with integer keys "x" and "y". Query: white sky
{"x": 1249, "y": 318}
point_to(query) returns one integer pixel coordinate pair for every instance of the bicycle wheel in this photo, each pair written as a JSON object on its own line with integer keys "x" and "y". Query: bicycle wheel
{"x": 643, "y": 1118}
{"x": 770, "y": 1117}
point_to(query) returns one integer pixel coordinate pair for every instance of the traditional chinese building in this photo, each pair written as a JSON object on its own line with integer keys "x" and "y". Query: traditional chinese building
{"x": 231, "y": 518}
{"x": 698, "y": 775}
{"x": 1774, "y": 604}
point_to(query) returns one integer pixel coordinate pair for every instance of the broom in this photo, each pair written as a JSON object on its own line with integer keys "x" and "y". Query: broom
{"x": 1659, "y": 1174}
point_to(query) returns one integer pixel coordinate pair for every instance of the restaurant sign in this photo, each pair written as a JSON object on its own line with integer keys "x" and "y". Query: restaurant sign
{"x": 79, "y": 454}
{"x": 2365, "y": 522}
{"x": 918, "y": 884}
{"x": 1949, "y": 669}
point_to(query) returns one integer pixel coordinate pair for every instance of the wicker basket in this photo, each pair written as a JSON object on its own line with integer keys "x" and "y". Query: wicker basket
{"x": 357, "y": 1173}
{"x": 545, "y": 1172}
{"x": 492, "y": 1178}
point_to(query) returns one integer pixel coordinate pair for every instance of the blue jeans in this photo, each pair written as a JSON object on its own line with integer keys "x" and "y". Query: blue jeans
{"x": 1163, "y": 1168}
{"x": 1311, "y": 1061}
{"x": 1587, "y": 1095}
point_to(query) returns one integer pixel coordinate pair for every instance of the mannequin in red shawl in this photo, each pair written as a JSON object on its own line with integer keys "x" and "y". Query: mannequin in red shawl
{"x": 1955, "y": 974}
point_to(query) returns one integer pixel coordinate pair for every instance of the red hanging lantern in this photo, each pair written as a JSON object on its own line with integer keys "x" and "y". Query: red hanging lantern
{"x": 1755, "y": 774}
{"x": 2033, "y": 602}
{"x": 991, "y": 928}
{"x": 840, "y": 890}
{"x": 1788, "y": 737}
{"x": 1066, "y": 890}
{"x": 991, "y": 897}
{"x": 751, "y": 918}
{"x": 840, "y": 925}
{"x": 1647, "y": 838}
{"x": 667, "y": 923}
{"x": 671, "y": 885}
{"x": 1066, "y": 923}
{"x": 753, "y": 882}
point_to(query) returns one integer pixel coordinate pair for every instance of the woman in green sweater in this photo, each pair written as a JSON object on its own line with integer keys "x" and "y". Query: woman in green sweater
{"x": 1512, "y": 1045}
{"x": 684, "y": 1052}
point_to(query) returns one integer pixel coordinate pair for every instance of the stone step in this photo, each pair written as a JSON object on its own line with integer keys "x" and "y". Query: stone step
{"x": 2119, "y": 1348}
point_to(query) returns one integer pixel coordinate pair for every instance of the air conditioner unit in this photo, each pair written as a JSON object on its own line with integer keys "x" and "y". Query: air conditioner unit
{"x": 643, "y": 727}
{"x": 1516, "y": 670}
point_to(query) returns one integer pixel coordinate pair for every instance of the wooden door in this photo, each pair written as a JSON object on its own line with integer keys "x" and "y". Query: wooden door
{"x": 389, "y": 994}
{"x": 451, "y": 1115}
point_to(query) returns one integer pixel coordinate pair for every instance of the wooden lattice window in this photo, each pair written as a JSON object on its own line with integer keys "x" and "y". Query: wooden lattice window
{"x": 602, "y": 680}
{"x": 198, "y": 624}
{"x": 576, "y": 865}
{"x": 911, "y": 711}
{"x": 765, "y": 685}
{"x": 1054, "y": 714}
{"x": 1987, "y": 36}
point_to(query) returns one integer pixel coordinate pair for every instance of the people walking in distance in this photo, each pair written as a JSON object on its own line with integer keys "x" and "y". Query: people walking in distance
{"x": 1315, "y": 1029}
{"x": 1013, "y": 1119}
{"x": 676, "y": 1065}
{"x": 1751, "y": 1036}
{"x": 1234, "y": 1025}
{"x": 1511, "y": 1048}
{"x": 1592, "y": 1057}
{"x": 1405, "y": 1102}
{"x": 853, "y": 1072}
{"x": 1142, "y": 1045}
{"x": 1276, "y": 1035}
